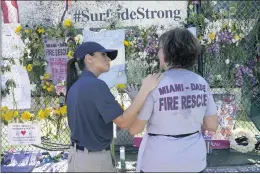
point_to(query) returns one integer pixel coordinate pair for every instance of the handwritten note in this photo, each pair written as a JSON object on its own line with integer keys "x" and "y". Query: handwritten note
{"x": 24, "y": 134}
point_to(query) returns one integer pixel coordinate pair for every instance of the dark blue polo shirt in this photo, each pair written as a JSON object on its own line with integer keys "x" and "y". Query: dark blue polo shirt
{"x": 91, "y": 108}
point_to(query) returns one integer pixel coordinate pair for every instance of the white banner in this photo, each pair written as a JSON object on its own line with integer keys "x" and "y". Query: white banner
{"x": 56, "y": 55}
{"x": 24, "y": 134}
{"x": 98, "y": 14}
{"x": 111, "y": 39}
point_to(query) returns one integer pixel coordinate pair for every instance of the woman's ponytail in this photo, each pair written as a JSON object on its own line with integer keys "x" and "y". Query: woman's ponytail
{"x": 72, "y": 74}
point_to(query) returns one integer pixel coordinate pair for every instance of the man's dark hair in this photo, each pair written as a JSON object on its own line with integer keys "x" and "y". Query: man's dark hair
{"x": 180, "y": 47}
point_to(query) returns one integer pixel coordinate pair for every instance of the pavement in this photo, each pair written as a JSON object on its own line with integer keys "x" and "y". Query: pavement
{"x": 219, "y": 161}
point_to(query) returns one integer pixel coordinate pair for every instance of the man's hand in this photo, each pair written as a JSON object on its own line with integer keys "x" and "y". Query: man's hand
{"x": 132, "y": 91}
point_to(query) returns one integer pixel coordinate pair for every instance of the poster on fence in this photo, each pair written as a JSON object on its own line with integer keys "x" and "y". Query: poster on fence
{"x": 226, "y": 104}
{"x": 111, "y": 39}
{"x": 18, "y": 97}
{"x": 24, "y": 134}
{"x": 56, "y": 55}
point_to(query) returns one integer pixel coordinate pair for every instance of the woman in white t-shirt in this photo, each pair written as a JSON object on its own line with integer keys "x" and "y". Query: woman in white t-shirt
{"x": 175, "y": 111}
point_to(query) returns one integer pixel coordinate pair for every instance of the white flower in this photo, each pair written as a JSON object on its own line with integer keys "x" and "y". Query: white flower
{"x": 79, "y": 38}
{"x": 26, "y": 41}
{"x": 5, "y": 63}
{"x": 237, "y": 65}
{"x": 41, "y": 77}
{"x": 219, "y": 77}
{"x": 66, "y": 39}
{"x": 33, "y": 87}
{"x": 241, "y": 35}
{"x": 45, "y": 63}
{"x": 144, "y": 53}
{"x": 206, "y": 20}
{"x": 214, "y": 2}
{"x": 227, "y": 61}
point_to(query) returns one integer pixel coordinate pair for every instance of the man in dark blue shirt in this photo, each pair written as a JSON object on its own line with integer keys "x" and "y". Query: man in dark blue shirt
{"x": 92, "y": 108}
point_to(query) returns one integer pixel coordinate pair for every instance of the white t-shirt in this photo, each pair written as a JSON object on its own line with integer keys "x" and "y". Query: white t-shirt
{"x": 177, "y": 106}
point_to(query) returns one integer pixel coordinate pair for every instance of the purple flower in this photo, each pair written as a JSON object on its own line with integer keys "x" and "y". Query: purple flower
{"x": 225, "y": 37}
{"x": 195, "y": 2}
{"x": 251, "y": 64}
{"x": 241, "y": 72}
{"x": 214, "y": 48}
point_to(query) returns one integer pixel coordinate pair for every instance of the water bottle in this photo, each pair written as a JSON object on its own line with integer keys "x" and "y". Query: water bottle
{"x": 122, "y": 158}
{"x": 208, "y": 145}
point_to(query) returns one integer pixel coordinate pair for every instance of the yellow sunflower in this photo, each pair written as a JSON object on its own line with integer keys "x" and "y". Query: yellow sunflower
{"x": 26, "y": 115}
{"x": 70, "y": 54}
{"x": 120, "y": 86}
{"x": 40, "y": 30}
{"x": 49, "y": 89}
{"x": 29, "y": 67}
{"x": 126, "y": 43}
{"x": 67, "y": 23}
{"x": 18, "y": 29}
{"x": 46, "y": 76}
{"x": 63, "y": 110}
{"x": 47, "y": 112}
{"x": 27, "y": 31}
{"x": 41, "y": 114}
{"x": 8, "y": 116}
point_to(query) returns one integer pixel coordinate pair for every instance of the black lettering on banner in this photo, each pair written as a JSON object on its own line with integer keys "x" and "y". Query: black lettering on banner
{"x": 176, "y": 15}
{"x": 126, "y": 14}
{"x": 140, "y": 12}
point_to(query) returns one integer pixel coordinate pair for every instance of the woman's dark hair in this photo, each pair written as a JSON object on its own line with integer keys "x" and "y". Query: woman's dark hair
{"x": 180, "y": 47}
{"x": 72, "y": 71}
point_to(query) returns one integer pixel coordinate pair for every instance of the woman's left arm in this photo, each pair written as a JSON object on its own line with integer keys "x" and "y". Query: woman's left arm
{"x": 143, "y": 116}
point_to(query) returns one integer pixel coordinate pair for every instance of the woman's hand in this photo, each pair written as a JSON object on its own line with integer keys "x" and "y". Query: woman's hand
{"x": 131, "y": 90}
{"x": 150, "y": 82}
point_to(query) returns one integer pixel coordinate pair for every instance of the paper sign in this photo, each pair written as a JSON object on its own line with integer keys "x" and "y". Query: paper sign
{"x": 111, "y": 39}
{"x": 21, "y": 99}
{"x": 56, "y": 55}
{"x": 24, "y": 134}
{"x": 12, "y": 45}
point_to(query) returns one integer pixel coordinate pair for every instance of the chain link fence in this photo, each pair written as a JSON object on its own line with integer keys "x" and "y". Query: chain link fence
{"x": 232, "y": 71}
{"x": 231, "y": 65}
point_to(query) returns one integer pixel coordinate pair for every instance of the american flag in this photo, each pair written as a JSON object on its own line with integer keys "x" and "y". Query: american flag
{"x": 10, "y": 11}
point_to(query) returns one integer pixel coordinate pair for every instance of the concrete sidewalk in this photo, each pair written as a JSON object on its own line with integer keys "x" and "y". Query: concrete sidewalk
{"x": 224, "y": 161}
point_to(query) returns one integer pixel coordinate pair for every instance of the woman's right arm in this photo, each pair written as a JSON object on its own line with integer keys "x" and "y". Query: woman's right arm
{"x": 125, "y": 120}
{"x": 110, "y": 110}
{"x": 210, "y": 120}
